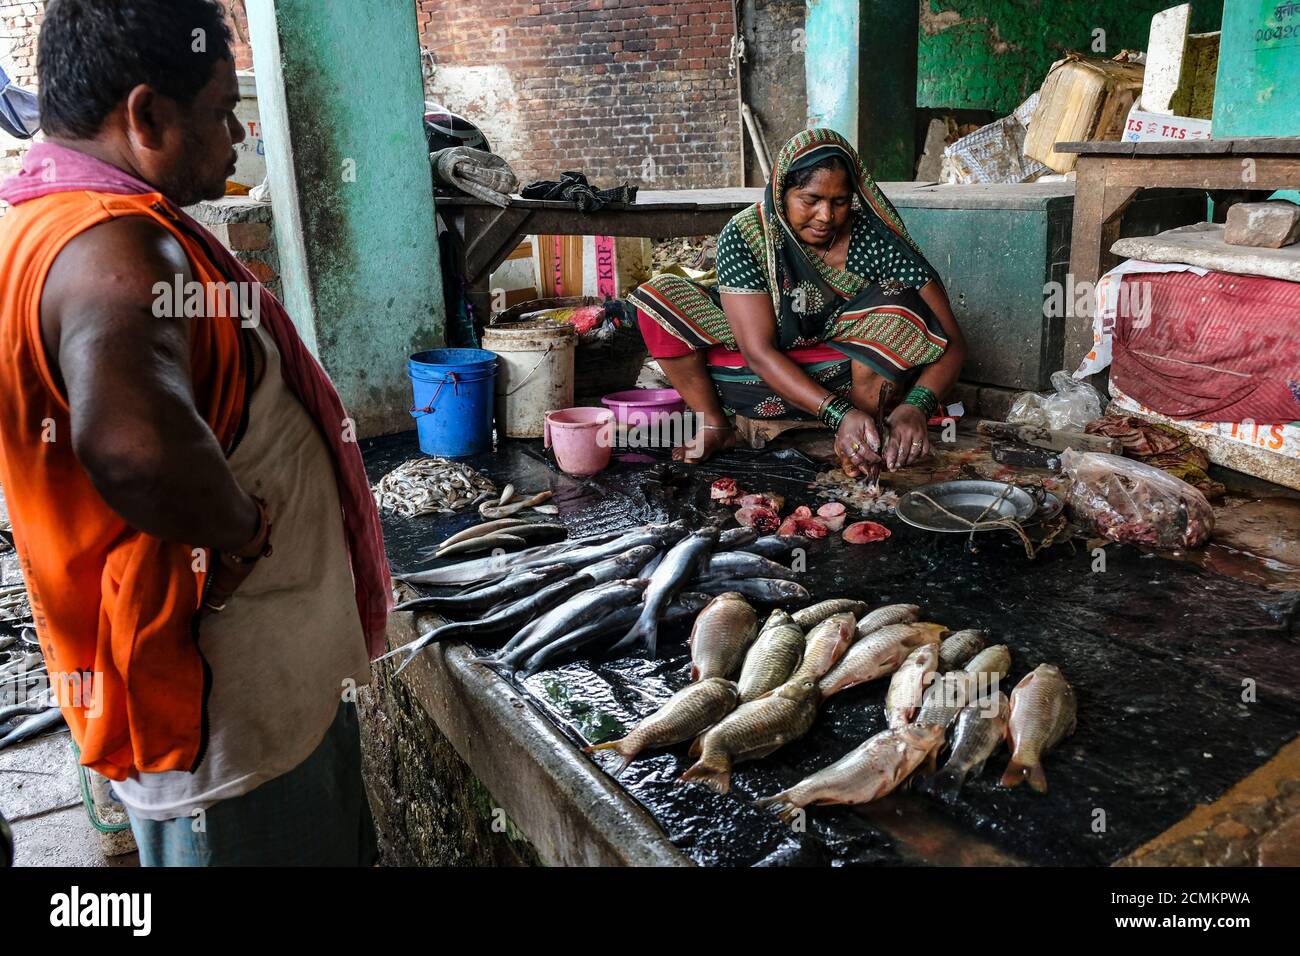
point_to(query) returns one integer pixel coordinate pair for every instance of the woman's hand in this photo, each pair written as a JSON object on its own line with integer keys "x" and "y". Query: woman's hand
{"x": 909, "y": 437}
{"x": 856, "y": 443}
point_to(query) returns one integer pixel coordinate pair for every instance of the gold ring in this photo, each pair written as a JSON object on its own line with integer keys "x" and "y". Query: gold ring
{"x": 856, "y": 446}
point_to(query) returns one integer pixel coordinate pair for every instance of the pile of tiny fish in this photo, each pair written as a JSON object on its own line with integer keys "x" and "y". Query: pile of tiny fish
{"x": 857, "y": 494}
{"x": 424, "y": 486}
{"x": 606, "y": 594}
{"x": 754, "y": 690}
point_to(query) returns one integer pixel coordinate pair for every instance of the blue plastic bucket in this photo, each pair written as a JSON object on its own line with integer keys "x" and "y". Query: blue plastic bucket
{"x": 454, "y": 391}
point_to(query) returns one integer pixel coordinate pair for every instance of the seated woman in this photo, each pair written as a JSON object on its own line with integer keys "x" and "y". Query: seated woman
{"x": 825, "y": 308}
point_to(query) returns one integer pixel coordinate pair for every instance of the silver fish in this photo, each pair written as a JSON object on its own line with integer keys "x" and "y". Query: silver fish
{"x": 908, "y": 685}
{"x": 981, "y": 728}
{"x": 33, "y": 727}
{"x": 742, "y": 564}
{"x": 573, "y": 613}
{"x": 499, "y": 539}
{"x": 885, "y": 616}
{"x": 684, "y": 607}
{"x": 959, "y": 648}
{"x": 490, "y": 511}
{"x": 692, "y": 710}
{"x": 1043, "y": 713}
{"x": 776, "y": 546}
{"x": 877, "y": 655}
{"x": 479, "y": 530}
{"x": 512, "y": 587}
{"x": 752, "y": 731}
{"x": 868, "y": 772}
{"x": 683, "y": 561}
{"x": 810, "y": 617}
{"x": 734, "y": 538}
{"x": 773, "y": 657}
{"x": 824, "y": 645}
{"x": 722, "y": 633}
{"x": 763, "y": 590}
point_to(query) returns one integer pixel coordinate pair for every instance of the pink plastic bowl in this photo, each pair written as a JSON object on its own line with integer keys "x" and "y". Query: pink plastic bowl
{"x": 643, "y": 406}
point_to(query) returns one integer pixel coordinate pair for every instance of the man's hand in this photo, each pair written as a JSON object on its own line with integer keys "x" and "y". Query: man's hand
{"x": 231, "y": 568}
{"x": 857, "y": 444}
{"x": 909, "y": 437}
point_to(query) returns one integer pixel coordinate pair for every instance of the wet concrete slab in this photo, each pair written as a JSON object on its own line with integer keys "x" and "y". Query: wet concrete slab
{"x": 1160, "y": 653}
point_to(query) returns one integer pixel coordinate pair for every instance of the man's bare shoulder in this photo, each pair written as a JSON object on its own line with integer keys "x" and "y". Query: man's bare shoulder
{"x": 116, "y": 264}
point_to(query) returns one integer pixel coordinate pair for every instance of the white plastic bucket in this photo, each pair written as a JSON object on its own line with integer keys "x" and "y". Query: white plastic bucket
{"x": 534, "y": 373}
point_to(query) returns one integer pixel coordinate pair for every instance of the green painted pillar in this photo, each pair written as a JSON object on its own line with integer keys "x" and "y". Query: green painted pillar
{"x": 341, "y": 103}
{"x": 1257, "y": 92}
{"x": 861, "y": 78}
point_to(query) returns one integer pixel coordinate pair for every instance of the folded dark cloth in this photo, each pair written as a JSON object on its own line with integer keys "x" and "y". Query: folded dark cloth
{"x": 573, "y": 187}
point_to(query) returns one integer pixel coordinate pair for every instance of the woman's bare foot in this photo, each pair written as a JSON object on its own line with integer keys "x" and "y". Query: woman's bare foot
{"x": 704, "y": 444}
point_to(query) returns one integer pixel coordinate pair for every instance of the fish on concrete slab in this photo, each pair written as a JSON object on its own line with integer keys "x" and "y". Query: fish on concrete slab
{"x": 772, "y": 658}
{"x": 722, "y": 633}
{"x": 810, "y": 617}
{"x": 512, "y": 587}
{"x": 824, "y": 645}
{"x": 761, "y": 590}
{"x": 752, "y": 731}
{"x": 582, "y": 608}
{"x": 683, "y": 562}
{"x": 908, "y": 685}
{"x": 742, "y": 564}
{"x": 689, "y": 712}
{"x": 887, "y": 615}
{"x": 959, "y": 647}
{"x": 591, "y": 637}
{"x": 1043, "y": 713}
{"x": 878, "y": 655}
{"x": 868, "y": 772}
{"x": 981, "y": 728}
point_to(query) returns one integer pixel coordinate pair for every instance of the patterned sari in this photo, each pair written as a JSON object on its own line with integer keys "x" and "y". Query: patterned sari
{"x": 883, "y": 323}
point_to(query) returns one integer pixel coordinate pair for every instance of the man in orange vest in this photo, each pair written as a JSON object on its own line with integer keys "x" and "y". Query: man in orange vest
{"x": 188, "y": 502}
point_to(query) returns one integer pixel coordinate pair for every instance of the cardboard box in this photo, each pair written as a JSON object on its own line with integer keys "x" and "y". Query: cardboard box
{"x": 1145, "y": 127}
{"x": 1081, "y": 99}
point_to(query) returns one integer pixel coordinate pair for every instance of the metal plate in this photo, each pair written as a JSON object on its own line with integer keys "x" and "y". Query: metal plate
{"x": 966, "y": 499}
{"x": 1050, "y": 508}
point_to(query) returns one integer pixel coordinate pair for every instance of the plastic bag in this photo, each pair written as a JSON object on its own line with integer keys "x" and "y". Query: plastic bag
{"x": 1069, "y": 408}
{"x": 1135, "y": 503}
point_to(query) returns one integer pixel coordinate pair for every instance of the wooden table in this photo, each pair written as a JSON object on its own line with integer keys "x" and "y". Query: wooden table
{"x": 488, "y": 233}
{"x": 1110, "y": 175}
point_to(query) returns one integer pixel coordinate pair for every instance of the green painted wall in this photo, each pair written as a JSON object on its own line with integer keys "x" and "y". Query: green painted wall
{"x": 341, "y": 100}
{"x": 875, "y": 41}
{"x": 1258, "y": 89}
{"x": 992, "y": 54}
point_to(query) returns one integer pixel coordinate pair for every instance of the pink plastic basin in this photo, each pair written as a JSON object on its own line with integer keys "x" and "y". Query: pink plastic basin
{"x": 643, "y": 406}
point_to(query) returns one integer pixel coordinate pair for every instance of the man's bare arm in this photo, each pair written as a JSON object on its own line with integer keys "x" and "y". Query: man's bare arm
{"x": 126, "y": 375}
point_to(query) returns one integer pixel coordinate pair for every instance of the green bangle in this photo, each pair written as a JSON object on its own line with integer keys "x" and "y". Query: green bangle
{"x": 924, "y": 399}
{"x": 834, "y": 412}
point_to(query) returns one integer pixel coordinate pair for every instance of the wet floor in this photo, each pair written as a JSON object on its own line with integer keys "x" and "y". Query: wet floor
{"x": 1187, "y": 680}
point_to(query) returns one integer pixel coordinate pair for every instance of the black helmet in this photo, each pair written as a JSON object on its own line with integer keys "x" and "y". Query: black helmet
{"x": 443, "y": 129}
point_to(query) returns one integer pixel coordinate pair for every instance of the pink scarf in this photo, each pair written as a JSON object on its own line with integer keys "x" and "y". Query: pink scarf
{"x": 48, "y": 168}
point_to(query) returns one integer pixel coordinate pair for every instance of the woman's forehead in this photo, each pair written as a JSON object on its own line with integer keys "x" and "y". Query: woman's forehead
{"x": 827, "y": 182}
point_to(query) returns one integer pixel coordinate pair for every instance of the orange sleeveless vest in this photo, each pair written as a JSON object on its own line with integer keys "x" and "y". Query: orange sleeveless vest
{"x": 115, "y": 609}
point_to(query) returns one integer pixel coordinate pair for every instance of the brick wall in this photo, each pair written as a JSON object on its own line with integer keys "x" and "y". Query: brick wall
{"x": 238, "y": 20}
{"x": 774, "y": 84}
{"x": 618, "y": 89}
{"x": 245, "y": 227}
{"x": 19, "y": 24}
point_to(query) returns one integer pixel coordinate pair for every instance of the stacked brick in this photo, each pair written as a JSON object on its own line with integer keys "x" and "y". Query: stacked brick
{"x": 614, "y": 88}
{"x": 19, "y": 26}
{"x": 245, "y": 228}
